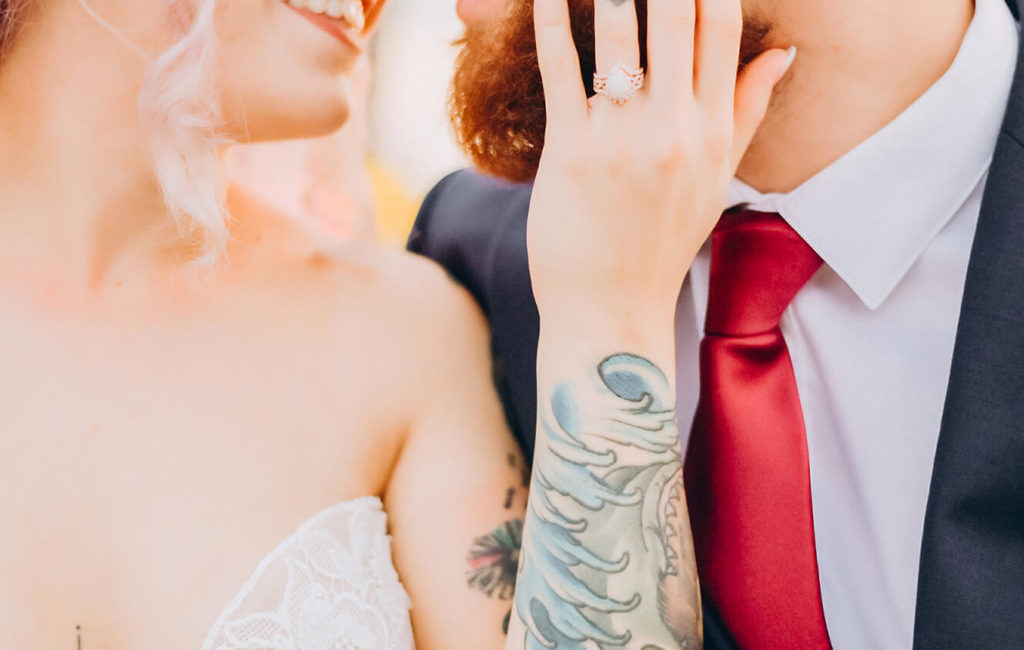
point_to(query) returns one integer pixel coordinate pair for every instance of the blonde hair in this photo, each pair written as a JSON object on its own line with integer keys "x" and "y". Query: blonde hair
{"x": 9, "y": 12}
{"x": 179, "y": 106}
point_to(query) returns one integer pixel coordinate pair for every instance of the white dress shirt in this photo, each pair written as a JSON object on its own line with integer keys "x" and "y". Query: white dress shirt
{"x": 871, "y": 335}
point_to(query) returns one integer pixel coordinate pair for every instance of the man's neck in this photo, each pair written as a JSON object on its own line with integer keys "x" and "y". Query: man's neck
{"x": 859, "y": 65}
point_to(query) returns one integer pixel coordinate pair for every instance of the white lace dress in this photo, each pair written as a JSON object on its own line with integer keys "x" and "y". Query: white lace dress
{"x": 330, "y": 586}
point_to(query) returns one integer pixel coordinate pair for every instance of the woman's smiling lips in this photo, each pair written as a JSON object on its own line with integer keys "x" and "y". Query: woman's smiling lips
{"x": 345, "y": 20}
{"x": 333, "y": 27}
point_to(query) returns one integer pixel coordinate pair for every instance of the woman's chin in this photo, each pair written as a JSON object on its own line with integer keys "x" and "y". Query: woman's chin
{"x": 313, "y": 126}
{"x": 296, "y": 120}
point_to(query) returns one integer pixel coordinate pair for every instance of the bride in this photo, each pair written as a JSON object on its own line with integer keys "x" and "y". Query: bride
{"x": 199, "y": 430}
{"x": 206, "y": 413}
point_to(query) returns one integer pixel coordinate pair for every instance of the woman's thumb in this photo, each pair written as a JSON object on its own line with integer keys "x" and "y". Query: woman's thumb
{"x": 754, "y": 88}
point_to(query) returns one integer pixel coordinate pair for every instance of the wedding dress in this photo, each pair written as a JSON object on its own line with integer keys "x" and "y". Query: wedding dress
{"x": 330, "y": 586}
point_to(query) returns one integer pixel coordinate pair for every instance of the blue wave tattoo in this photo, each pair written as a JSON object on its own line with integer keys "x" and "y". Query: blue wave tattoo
{"x": 600, "y": 562}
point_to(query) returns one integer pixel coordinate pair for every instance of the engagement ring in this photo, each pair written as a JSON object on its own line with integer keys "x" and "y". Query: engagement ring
{"x": 620, "y": 84}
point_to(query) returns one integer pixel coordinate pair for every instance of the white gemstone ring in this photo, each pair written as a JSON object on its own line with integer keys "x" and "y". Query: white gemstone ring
{"x": 620, "y": 84}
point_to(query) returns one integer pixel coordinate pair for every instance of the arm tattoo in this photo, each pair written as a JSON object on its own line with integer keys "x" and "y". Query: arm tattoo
{"x": 493, "y": 560}
{"x": 607, "y": 555}
{"x": 522, "y": 468}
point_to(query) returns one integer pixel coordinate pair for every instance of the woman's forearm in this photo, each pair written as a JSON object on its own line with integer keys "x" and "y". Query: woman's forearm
{"x": 607, "y": 555}
{"x": 628, "y": 189}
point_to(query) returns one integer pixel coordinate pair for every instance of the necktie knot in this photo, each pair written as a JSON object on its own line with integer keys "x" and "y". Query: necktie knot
{"x": 758, "y": 264}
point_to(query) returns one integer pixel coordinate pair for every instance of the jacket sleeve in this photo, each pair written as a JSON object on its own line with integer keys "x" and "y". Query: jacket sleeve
{"x": 452, "y": 230}
{"x": 475, "y": 227}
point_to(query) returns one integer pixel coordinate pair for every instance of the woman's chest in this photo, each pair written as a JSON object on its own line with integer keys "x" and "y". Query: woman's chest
{"x": 144, "y": 483}
{"x": 291, "y": 578}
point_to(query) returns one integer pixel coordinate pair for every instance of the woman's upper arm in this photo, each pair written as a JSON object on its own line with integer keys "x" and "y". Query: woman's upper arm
{"x": 457, "y": 495}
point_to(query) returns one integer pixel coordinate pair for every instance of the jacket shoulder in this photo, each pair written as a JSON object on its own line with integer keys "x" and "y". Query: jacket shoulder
{"x": 468, "y": 218}
{"x": 467, "y": 206}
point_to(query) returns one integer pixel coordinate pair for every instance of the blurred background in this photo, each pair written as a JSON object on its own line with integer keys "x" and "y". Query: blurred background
{"x": 367, "y": 180}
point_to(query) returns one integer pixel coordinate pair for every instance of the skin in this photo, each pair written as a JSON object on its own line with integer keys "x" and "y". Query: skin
{"x": 480, "y": 12}
{"x": 859, "y": 65}
{"x": 634, "y": 240}
{"x": 611, "y": 393}
{"x": 139, "y": 432}
{"x": 164, "y": 431}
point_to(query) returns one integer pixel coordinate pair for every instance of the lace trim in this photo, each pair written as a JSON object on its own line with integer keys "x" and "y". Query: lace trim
{"x": 330, "y": 586}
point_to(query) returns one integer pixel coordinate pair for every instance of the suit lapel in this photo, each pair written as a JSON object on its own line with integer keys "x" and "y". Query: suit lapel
{"x": 971, "y": 584}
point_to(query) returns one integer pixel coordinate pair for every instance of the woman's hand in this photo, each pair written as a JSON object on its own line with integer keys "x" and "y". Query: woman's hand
{"x": 627, "y": 194}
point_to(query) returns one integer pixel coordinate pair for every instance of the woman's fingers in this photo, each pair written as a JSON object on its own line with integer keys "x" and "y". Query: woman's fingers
{"x": 565, "y": 99}
{"x": 615, "y": 34}
{"x": 717, "y": 52}
{"x": 670, "y": 31}
{"x": 753, "y": 93}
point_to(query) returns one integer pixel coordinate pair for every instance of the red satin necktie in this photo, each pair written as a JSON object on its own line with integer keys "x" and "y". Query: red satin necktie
{"x": 747, "y": 474}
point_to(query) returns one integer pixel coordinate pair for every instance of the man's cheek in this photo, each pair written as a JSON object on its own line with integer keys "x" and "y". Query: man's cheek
{"x": 478, "y": 12}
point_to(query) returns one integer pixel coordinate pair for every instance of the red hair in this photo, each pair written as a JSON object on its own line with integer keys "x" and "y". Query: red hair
{"x": 497, "y": 100}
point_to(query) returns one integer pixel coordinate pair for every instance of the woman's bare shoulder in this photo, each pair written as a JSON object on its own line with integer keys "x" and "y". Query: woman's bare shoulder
{"x": 388, "y": 297}
{"x": 382, "y": 335}
{"x": 416, "y": 305}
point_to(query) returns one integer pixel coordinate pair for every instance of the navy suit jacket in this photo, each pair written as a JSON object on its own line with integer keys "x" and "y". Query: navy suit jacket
{"x": 971, "y": 583}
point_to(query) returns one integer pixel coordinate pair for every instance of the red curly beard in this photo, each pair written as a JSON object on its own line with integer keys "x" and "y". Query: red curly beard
{"x": 497, "y": 100}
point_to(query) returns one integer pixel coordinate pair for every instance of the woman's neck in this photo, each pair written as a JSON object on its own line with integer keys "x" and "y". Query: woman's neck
{"x": 76, "y": 178}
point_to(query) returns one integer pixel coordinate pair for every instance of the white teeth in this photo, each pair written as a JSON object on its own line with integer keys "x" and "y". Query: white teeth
{"x": 353, "y": 12}
{"x": 349, "y": 10}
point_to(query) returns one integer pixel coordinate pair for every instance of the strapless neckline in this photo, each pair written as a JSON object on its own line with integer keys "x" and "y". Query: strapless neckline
{"x": 330, "y": 584}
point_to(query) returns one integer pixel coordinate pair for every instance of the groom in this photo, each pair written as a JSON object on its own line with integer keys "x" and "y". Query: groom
{"x": 895, "y": 150}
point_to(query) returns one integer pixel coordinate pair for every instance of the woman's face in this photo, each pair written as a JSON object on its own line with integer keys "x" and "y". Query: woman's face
{"x": 284, "y": 64}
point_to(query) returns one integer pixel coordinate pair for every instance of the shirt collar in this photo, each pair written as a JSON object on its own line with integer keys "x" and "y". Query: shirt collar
{"x": 871, "y": 214}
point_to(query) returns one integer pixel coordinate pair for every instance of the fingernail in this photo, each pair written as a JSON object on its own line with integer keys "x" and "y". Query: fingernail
{"x": 790, "y": 55}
